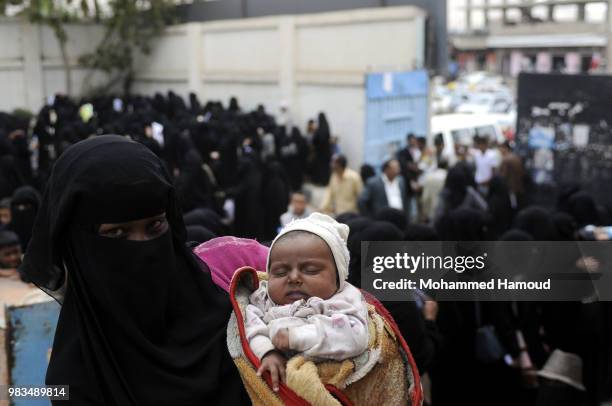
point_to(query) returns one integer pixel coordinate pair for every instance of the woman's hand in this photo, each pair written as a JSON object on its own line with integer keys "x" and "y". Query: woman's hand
{"x": 274, "y": 362}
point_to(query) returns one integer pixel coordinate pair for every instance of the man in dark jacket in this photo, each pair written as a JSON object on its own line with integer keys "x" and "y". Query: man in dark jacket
{"x": 387, "y": 190}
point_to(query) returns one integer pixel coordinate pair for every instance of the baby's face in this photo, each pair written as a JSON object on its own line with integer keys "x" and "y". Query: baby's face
{"x": 301, "y": 266}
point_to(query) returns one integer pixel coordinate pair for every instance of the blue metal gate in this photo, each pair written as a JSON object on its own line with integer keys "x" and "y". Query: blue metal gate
{"x": 397, "y": 103}
{"x": 31, "y": 329}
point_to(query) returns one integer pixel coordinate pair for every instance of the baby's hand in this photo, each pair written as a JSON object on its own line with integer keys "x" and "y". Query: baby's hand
{"x": 274, "y": 362}
{"x": 281, "y": 340}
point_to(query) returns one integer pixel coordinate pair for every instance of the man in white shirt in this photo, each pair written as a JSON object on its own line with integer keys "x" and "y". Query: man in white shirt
{"x": 387, "y": 190}
{"x": 486, "y": 162}
{"x": 392, "y": 189}
{"x": 432, "y": 185}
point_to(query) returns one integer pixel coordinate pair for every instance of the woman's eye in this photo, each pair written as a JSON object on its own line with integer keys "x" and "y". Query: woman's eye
{"x": 157, "y": 226}
{"x": 114, "y": 233}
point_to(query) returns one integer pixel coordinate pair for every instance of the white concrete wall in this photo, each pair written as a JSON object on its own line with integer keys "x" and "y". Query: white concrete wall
{"x": 315, "y": 62}
{"x": 31, "y": 66}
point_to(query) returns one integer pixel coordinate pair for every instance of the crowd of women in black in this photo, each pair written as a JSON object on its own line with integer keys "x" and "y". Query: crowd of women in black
{"x": 212, "y": 153}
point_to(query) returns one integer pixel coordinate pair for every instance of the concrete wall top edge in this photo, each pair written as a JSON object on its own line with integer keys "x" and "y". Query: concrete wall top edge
{"x": 321, "y": 18}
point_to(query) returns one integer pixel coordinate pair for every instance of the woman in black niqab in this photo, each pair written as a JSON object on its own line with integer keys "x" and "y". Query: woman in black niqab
{"x": 10, "y": 176}
{"x": 195, "y": 187}
{"x": 141, "y": 322}
{"x": 321, "y": 170}
{"x": 24, "y": 206}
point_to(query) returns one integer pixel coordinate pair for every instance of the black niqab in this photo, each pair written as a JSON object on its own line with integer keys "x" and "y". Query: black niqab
{"x": 141, "y": 323}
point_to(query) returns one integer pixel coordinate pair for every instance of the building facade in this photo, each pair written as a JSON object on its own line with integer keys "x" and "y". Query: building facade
{"x": 531, "y": 36}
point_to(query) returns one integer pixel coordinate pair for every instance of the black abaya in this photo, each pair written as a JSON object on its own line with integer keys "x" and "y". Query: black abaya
{"x": 24, "y": 206}
{"x": 142, "y": 322}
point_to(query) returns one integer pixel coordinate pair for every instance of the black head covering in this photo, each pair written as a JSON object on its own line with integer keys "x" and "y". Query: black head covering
{"x": 10, "y": 175}
{"x": 513, "y": 258}
{"x": 461, "y": 225}
{"x": 322, "y": 150}
{"x": 6, "y": 148}
{"x": 24, "y": 206}
{"x": 566, "y": 191}
{"x": 344, "y": 218}
{"x": 537, "y": 222}
{"x": 206, "y": 218}
{"x": 194, "y": 103}
{"x": 233, "y": 105}
{"x": 584, "y": 210}
{"x": 194, "y": 187}
{"x": 199, "y": 234}
{"x": 141, "y": 323}
{"x": 515, "y": 235}
{"x": 8, "y": 238}
{"x": 420, "y": 232}
{"x": 276, "y": 187}
{"x": 565, "y": 225}
{"x": 500, "y": 207}
{"x": 323, "y": 125}
{"x": 367, "y": 230}
{"x": 393, "y": 216}
{"x": 366, "y": 172}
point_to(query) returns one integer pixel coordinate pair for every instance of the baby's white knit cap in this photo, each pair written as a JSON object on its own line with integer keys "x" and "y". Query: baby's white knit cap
{"x": 333, "y": 233}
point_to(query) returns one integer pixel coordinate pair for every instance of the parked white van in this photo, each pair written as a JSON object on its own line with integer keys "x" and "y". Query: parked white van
{"x": 460, "y": 129}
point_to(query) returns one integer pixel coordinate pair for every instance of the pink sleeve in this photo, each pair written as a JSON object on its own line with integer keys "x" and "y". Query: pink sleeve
{"x": 225, "y": 255}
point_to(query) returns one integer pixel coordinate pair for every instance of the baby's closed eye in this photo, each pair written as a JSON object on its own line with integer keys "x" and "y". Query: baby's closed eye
{"x": 312, "y": 270}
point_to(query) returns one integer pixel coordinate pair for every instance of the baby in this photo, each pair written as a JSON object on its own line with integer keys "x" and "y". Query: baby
{"x": 306, "y": 306}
